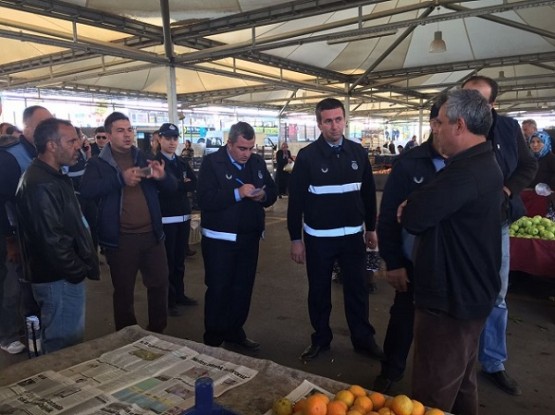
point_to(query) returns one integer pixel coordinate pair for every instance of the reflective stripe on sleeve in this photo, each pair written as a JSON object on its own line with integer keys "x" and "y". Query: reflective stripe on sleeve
{"x": 224, "y": 236}
{"x": 347, "y": 230}
{"x": 335, "y": 189}
{"x": 175, "y": 219}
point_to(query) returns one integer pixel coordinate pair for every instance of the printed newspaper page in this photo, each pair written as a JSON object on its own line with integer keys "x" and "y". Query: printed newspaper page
{"x": 149, "y": 376}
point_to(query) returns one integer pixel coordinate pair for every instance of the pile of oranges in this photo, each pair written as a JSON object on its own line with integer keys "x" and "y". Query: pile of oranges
{"x": 353, "y": 401}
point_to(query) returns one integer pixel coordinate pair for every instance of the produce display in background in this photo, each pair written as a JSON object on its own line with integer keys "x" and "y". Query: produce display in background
{"x": 352, "y": 401}
{"x": 537, "y": 227}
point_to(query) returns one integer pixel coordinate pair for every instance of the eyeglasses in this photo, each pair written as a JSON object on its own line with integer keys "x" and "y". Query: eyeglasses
{"x": 101, "y": 137}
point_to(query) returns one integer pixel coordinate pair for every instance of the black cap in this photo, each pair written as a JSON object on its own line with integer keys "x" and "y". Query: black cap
{"x": 434, "y": 111}
{"x": 169, "y": 130}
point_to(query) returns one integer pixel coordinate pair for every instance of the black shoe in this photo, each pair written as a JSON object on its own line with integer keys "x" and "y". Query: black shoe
{"x": 312, "y": 351}
{"x": 175, "y": 311}
{"x": 504, "y": 382}
{"x": 246, "y": 343}
{"x": 186, "y": 301}
{"x": 382, "y": 384}
{"x": 370, "y": 349}
{"x": 190, "y": 252}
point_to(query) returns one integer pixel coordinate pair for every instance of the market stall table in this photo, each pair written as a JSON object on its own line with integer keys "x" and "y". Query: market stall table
{"x": 254, "y": 397}
{"x": 533, "y": 256}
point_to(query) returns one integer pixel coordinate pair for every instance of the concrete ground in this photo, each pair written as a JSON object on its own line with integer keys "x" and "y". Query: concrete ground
{"x": 279, "y": 321}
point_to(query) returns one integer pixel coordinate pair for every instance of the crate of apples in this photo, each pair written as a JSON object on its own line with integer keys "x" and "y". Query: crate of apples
{"x": 353, "y": 401}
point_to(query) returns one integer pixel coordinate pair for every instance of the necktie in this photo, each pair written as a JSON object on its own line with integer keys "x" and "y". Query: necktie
{"x": 336, "y": 149}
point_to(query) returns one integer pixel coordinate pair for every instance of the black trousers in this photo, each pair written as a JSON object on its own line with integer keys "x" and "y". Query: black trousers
{"x": 230, "y": 268}
{"x": 398, "y": 338}
{"x": 176, "y": 242}
{"x": 350, "y": 252}
{"x": 139, "y": 252}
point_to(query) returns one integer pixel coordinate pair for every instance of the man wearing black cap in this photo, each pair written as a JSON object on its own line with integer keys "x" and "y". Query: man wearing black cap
{"x": 412, "y": 169}
{"x": 176, "y": 215}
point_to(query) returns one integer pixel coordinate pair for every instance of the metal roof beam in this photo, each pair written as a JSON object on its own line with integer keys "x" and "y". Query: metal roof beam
{"x": 268, "y": 15}
{"x": 85, "y": 15}
{"x": 461, "y": 66}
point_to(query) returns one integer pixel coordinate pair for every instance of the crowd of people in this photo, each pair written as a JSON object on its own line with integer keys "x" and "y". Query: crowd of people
{"x": 443, "y": 237}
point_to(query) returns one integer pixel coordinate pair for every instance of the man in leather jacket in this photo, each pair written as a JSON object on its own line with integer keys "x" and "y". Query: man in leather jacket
{"x": 57, "y": 248}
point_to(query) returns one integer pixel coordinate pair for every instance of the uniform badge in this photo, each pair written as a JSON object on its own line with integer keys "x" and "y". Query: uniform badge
{"x": 418, "y": 180}
{"x": 260, "y": 175}
{"x": 354, "y": 165}
{"x": 229, "y": 176}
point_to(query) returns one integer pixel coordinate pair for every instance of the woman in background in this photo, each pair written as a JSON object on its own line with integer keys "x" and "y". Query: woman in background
{"x": 540, "y": 144}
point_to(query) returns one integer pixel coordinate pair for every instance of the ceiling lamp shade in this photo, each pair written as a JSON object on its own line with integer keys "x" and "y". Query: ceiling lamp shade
{"x": 438, "y": 44}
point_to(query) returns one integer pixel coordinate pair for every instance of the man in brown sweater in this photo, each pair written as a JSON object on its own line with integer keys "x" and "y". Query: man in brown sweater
{"x": 129, "y": 221}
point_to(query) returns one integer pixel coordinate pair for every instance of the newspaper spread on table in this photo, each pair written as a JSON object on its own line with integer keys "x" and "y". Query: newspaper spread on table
{"x": 149, "y": 376}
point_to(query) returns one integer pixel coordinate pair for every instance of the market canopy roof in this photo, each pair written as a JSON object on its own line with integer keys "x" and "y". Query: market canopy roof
{"x": 280, "y": 55}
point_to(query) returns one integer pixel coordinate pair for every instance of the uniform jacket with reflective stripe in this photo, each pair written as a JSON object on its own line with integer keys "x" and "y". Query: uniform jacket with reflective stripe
{"x": 331, "y": 191}
{"x": 176, "y": 202}
{"x": 217, "y": 181}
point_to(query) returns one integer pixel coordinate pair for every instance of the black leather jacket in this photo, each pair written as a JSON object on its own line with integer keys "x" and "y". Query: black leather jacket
{"x": 55, "y": 239}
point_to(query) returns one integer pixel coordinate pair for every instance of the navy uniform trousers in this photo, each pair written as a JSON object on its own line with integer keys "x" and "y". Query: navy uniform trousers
{"x": 230, "y": 268}
{"x": 350, "y": 252}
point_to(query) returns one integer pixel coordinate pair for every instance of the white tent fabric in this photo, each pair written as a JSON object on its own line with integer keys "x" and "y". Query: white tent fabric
{"x": 271, "y": 54}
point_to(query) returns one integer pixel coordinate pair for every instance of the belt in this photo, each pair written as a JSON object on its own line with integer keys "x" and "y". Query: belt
{"x": 175, "y": 219}
{"x": 344, "y": 231}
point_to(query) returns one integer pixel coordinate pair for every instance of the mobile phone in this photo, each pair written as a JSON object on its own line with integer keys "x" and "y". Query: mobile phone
{"x": 145, "y": 171}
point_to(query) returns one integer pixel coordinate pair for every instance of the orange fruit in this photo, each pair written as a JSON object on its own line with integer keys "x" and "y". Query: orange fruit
{"x": 385, "y": 411}
{"x": 357, "y": 390}
{"x": 337, "y": 408}
{"x": 417, "y": 408}
{"x": 315, "y": 405}
{"x": 364, "y": 402}
{"x": 345, "y": 396}
{"x": 378, "y": 399}
{"x": 388, "y": 402}
{"x": 299, "y": 405}
{"x": 319, "y": 395}
{"x": 373, "y": 413}
{"x": 402, "y": 405}
{"x": 354, "y": 411}
{"x": 434, "y": 411}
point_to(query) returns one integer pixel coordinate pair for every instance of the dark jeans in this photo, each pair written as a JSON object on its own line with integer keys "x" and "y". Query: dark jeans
{"x": 176, "y": 242}
{"x": 139, "y": 252}
{"x": 444, "y": 367}
{"x": 282, "y": 179}
{"x": 398, "y": 338}
{"x": 351, "y": 255}
{"x": 230, "y": 269}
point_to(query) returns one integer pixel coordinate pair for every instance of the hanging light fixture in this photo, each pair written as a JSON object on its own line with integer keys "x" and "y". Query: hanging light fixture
{"x": 438, "y": 44}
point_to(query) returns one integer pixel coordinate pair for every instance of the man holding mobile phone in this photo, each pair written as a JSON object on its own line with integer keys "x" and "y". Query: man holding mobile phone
{"x": 234, "y": 187}
{"x": 126, "y": 185}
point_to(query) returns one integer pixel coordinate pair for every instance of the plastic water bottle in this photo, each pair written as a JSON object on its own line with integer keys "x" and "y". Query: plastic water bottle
{"x": 543, "y": 189}
{"x": 34, "y": 344}
{"x": 204, "y": 400}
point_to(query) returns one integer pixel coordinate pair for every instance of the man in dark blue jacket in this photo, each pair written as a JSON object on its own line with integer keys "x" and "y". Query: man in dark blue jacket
{"x": 234, "y": 187}
{"x": 332, "y": 216}
{"x": 519, "y": 167}
{"x": 130, "y": 229}
{"x": 412, "y": 170}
